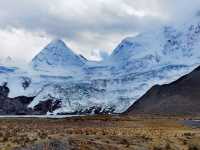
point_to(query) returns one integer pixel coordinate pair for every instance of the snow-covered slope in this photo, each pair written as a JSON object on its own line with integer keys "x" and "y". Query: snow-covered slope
{"x": 154, "y": 57}
{"x": 7, "y": 61}
{"x": 57, "y": 56}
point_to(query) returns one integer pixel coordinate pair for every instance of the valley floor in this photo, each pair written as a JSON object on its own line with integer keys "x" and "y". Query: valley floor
{"x": 99, "y": 132}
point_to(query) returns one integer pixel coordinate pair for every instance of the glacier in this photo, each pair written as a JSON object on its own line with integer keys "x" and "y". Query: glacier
{"x": 158, "y": 56}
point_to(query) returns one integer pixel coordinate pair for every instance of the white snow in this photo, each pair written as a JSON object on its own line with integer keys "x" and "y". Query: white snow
{"x": 58, "y": 59}
{"x": 136, "y": 64}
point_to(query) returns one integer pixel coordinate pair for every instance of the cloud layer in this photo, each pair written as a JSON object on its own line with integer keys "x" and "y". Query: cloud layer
{"x": 90, "y": 27}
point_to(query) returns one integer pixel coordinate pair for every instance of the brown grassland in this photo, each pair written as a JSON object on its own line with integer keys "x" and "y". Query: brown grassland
{"x": 98, "y": 132}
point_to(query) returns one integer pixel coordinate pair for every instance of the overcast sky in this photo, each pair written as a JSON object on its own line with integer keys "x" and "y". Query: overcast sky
{"x": 89, "y": 27}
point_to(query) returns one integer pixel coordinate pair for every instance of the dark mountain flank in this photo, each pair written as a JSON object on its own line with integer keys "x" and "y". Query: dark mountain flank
{"x": 19, "y": 105}
{"x": 181, "y": 97}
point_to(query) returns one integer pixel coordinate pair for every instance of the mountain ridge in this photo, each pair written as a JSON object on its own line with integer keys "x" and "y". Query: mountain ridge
{"x": 154, "y": 57}
{"x": 180, "y": 97}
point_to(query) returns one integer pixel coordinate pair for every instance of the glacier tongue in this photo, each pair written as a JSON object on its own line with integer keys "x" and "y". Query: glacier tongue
{"x": 137, "y": 63}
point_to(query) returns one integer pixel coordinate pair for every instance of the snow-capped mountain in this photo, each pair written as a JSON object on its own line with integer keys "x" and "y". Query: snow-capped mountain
{"x": 154, "y": 57}
{"x": 57, "y": 55}
{"x": 137, "y": 52}
{"x": 7, "y": 61}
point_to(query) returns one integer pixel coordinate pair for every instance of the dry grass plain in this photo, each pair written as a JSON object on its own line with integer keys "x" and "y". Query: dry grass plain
{"x": 98, "y": 132}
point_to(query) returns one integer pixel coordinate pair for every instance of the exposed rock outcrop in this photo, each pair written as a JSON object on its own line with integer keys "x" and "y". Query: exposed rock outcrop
{"x": 19, "y": 105}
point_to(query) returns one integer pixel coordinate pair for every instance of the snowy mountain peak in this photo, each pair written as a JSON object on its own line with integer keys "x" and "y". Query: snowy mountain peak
{"x": 134, "y": 53}
{"x": 57, "y": 46}
{"x": 56, "y": 43}
{"x": 7, "y": 61}
{"x": 56, "y": 55}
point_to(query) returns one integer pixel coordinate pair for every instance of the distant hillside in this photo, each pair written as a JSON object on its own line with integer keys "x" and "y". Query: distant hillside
{"x": 181, "y": 97}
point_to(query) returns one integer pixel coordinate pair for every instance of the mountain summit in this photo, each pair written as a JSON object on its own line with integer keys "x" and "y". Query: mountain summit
{"x": 56, "y": 55}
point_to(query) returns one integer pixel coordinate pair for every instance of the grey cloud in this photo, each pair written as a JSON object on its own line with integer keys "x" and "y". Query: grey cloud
{"x": 34, "y": 15}
{"x": 92, "y": 24}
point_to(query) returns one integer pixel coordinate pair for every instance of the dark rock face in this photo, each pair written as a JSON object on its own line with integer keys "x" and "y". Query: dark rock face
{"x": 4, "y": 90}
{"x": 19, "y": 105}
{"x": 15, "y": 106}
{"x": 47, "y": 106}
{"x": 181, "y": 97}
{"x": 96, "y": 110}
{"x": 26, "y": 82}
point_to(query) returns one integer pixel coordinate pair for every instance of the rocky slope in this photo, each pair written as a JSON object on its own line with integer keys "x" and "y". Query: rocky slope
{"x": 180, "y": 97}
{"x": 19, "y": 105}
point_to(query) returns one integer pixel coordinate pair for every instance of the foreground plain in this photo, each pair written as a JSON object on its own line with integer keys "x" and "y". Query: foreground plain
{"x": 98, "y": 132}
